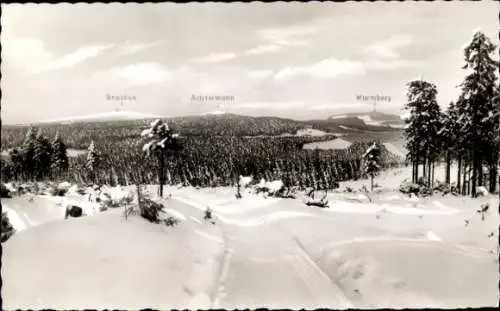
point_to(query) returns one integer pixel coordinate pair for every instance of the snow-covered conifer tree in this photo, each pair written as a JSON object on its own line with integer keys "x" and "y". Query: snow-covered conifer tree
{"x": 28, "y": 151}
{"x": 42, "y": 156}
{"x": 60, "y": 161}
{"x": 478, "y": 104}
{"x": 422, "y": 127}
{"x": 371, "y": 160}
{"x": 162, "y": 139}
{"x": 93, "y": 160}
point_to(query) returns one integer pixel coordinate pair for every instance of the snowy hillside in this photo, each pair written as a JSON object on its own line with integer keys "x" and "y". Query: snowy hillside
{"x": 103, "y": 117}
{"x": 260, "y": 252}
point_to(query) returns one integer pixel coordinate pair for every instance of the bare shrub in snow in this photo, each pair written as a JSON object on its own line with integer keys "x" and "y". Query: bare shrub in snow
{"x": 366, "y": 193}
{"x": 7, "y": 228}
{"x": 349, "y": 190}
{"x": 238, "y": 190}
{"x": 483, "y": 210}
{"x": 171, "y": 221}
{"x": 208, "y": 215}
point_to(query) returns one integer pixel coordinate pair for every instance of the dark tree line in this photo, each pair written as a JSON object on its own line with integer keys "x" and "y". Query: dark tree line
{"x": 467, "y": 133}
{"x": 36, "y": 159}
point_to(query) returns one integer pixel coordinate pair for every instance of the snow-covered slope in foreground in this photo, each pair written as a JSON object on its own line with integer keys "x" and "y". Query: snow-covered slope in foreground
{"x": 107, "y": 262}
{"x": 397, "y": 252}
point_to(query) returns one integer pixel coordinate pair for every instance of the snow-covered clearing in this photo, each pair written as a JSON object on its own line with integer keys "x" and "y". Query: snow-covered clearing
{"x": 337, "y": 143}
{"x": 369, "y": 121}
{"x": 381, "y": 249}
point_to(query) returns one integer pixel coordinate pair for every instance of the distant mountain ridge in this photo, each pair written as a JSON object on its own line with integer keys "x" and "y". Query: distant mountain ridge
{"x": 373, "y": 118}
{"x": 102, "y": 117}
{"x": 234, "y": 124}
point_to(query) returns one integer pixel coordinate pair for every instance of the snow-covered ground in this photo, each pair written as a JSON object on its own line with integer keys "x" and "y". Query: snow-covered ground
{"x": 395, "y": 252}
{"x": 369, "y": 121}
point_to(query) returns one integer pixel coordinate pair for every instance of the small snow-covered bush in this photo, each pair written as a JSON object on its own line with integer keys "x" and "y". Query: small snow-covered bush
{"x": 150, "y": 210}
{"x": 245, "y": 181}
{"x": 318, "y": 203}
{"x": 417, "y": 189}
{"x": 272, "y": 188}
{"x": 481, "y": 191}
{"x": 7, "y": 228}
{"x": 322, "y": 203}
{"x": 171, "y": 221}
{"x": 56, "y": 191}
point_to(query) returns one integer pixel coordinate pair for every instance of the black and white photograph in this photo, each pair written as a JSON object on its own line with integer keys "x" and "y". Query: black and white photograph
{"x": 281, "y": 155}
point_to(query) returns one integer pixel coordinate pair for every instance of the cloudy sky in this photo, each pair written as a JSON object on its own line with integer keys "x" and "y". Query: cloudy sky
{"x": 287, "y": 59}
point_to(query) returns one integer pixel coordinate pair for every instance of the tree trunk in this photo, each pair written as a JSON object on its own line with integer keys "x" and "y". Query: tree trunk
{"x": 480, "y": 174}
{"x": 469, "y": 177}
{"x": 475, "y": 169}
{"x": 417, "y": 163}
{"x": 464, "y": 184}
{"x": 432, "y": 181}
{"x": 429, "y": 173}
{"x": 459, "y": 173}
{"x": 493, "y": 178}
{"x": 371, "y": 183}
{"x": 162, "y": 173}
{"x": 413, "y": 172}
{"x": 425, "y": 169}
{"x": 448, "y": 167}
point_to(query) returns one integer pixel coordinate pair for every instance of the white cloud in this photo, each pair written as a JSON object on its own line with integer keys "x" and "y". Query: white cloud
{"x": 215, "y": 58}
{"x": 386, "y": 48}
{"x": 392, "y": 64}
{"x": 80, "y": 55}
{"x": 129, "y": 48}
{"x": 259, "y": 74}
{"x": 293, "y": 42}
{"x": 283, "y": 34}
{"x": 136, "y": 74}
{"x": 272, "y": 105}
{"x": 279, "y": 38}
{"x": 328, "y": 68}
{"x": 266, "y": 48}
{"x": 30, "y": 54}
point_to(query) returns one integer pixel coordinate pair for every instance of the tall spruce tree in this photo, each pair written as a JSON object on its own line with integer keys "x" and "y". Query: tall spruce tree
{"x": 162, "y": 141}
{"x": 371, "y": 160}
{"x": 60, "y": 161}
{"x": 478, "y": 93}
{"x": 16, "y": 159}
{"x": 28, "y": 153}
{"x": 42, "y": 156}
{"x": 93, "y": 161}
{"x": 422, "y": 127}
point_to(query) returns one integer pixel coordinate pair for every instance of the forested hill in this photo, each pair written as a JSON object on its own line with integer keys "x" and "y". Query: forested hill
{"x": 81, "y": 133}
